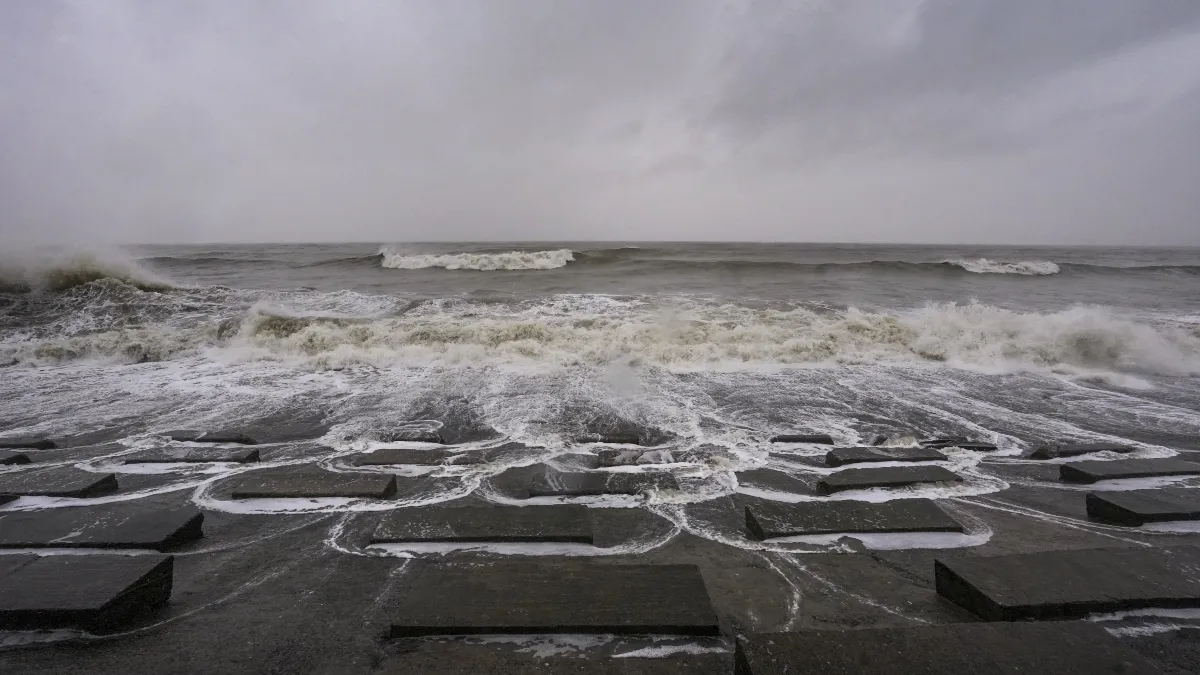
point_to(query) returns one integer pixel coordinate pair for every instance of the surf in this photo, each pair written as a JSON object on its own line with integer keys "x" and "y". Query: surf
{"x": 394, "y": 258}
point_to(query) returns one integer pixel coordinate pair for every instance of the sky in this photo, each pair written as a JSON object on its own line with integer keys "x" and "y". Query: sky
{"x": 947, "y": 121}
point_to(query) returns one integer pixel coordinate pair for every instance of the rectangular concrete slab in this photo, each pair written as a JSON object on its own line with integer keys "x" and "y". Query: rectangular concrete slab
{"x": 583, "y": 484}
{"x": 196, "y": 455}
{"x": 211, "y": 437}
{"x": 123, "y": 527}
{"x": 313, "y": 485}
{"x": 559, "y": 523}
{"x": 57, "y": 482}
{"x": 843, "y": 456}
{"x": 820, "y": 439}
{"x": 12, "y": 563}
{"x": 9, "y": 457}
{"x": 1056, "y": 450}
{"x": 1071, "y": 584}
{"x": 417, "y": 457}
{"x": 1138, "y": 507}
{"x": 85, "y": 591}
{"x": 900, "y": 476}
{"x": 410, "y": 436}
{"x": 549, "y": 597}
{"x": 27, "y": 443}
{"x": 1067, "y": 648}
{"x": 1090, "y": 472}
{"x": 771, "y": 520}
{"x": 226, "y": 437}
{"x": 771, "y": 480}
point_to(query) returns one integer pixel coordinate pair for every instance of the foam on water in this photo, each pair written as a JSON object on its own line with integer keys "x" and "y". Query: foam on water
{"x": 394, "y": 258}
{"x": 1173, "y": 527}
{"x": 587, "y": 645}
{"x": 1028, "y": 268}
{"x": 892, "y": 541}
{"x": 40, "y": 551}
{"x": 1091, "y": 343}
{"x": 676, "y": 646}
{"x": 1163, "y": 612}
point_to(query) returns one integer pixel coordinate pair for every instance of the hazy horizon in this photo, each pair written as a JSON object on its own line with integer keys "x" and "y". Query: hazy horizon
{"x": 714, "y": 242}
{"x": 940, "y": 122}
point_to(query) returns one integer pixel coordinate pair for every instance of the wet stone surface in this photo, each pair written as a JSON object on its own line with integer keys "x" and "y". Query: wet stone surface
{"x": 821, "y": 439}
{"x": 498, "y": 556}
{"x": 27, "y": 443}
{"x": 80, "y": 591}
{"x": 1138, "y": 507}
{"x": 211, "y": 437}
{"x": 766, "y": 520}
{"x": 990, "y": 649}
{"x": 543, "y": 480}
{"x": 581, "y": 484}
{"x": 843, "y": 456}
{"x": 57, "y": 482}
{"x": 1091, "y": 472}
{"x": 121, "y": 526}
{"x": 1071, "y": 584}
{"x": 858, "y": 479}
{"x": 313, "y": 484}
{"x": 545, "y": 598}
{"x": 559, "y": 523}
{"x": 9, "y": 457}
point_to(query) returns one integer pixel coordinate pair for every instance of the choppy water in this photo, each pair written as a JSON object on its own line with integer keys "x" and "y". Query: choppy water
{"x": 709, "y": 343}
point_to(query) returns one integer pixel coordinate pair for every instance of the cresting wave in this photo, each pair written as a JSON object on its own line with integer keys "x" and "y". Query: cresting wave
{"x": 985, "y": 266}
{"x": 586, "y": 330}
{"x": 487, "y": 262}
{"x": 64, "y": 271}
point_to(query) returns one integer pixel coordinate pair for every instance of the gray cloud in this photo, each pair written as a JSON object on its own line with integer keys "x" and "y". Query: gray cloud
{"x": 897, "y": 120}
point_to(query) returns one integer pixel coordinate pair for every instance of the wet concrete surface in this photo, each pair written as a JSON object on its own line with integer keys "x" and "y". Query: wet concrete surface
{"x": 297, "y": 583}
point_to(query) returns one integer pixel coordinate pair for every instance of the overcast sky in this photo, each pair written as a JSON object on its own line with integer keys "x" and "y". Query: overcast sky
{"x": 978, "y": 121}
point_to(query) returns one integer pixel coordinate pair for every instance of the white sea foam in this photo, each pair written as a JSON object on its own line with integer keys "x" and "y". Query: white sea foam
{"x": 513, "y": 260}
{"x": 1028, "y": 267}
{"x": 893, "y": 541}
{"x": 1090, "y": 342}
{"x": 972, "y": 335}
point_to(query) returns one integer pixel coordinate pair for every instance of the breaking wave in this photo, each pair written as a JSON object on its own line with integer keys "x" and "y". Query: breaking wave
{"x": 985, "y": 266}
{"x": 64, "y": 271}
{"x": 597, "y": 330}
{"x": 513, "y": 260}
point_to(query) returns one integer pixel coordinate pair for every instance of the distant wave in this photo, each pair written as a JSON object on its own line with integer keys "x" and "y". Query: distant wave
{"x": 64, "y": 271}
{"x": 372, "y": 259}
{"x": 204, "y": 260}
{"x": 658, "y": 259}
{"x": 985, "y": 266}
{"x": 513, "y": 260}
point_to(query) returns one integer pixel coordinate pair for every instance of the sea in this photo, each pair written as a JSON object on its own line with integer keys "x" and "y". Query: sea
{"x": 704, "y": 344}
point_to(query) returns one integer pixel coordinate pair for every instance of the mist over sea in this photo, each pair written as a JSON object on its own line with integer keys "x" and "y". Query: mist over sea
{"x": 707, "y": 343}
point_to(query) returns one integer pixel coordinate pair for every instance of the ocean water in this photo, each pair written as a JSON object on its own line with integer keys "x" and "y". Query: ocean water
{"x": 701, "y": 344}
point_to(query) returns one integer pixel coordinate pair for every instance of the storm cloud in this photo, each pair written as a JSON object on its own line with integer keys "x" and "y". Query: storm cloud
{"x": 989, "y": 121}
